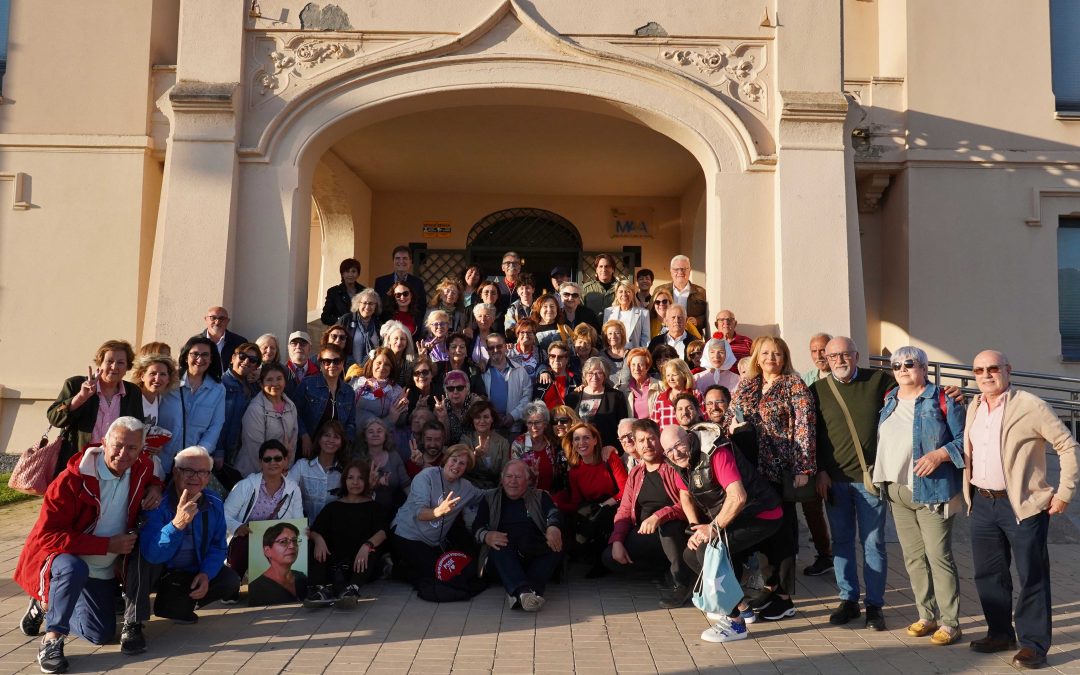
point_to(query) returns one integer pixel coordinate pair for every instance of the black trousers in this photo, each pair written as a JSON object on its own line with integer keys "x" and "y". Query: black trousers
{"x": 781, "y": 554}
{"x": 997, "y": 541}
{"x": 654, "y": 552}
{"x": 744, "y": 537}
{"x": 172, "y": 587}
{"x": 339, "y": 571}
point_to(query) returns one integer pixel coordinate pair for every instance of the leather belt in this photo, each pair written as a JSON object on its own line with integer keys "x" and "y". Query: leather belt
{"x": 991, "y": 494}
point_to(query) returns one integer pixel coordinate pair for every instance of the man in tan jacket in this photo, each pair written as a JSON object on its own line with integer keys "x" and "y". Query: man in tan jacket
{"x": 1010, "y": 503}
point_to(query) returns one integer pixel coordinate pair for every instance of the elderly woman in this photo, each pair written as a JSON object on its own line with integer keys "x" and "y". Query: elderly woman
{"x": 676, "y": 379}
{"x": 195, "y": 411}
{"x": 555, "y": 380}
{"x": 538, "y": 448}
{"x": 920, "y": 470}
{"x": 550, "y": 322}
{"x": 437, "y": 329}
{"x": 485, "y": 314}
{"x": 268, "y": 347}
{"x": 628, "y": 311}
{"x": 424, "y": 526}
{"x": 389, "y": 480}
{"x": 265, "y": 495}
{"x": 598, "y": 403}
{"x": 663, "y": 299}
{"x": 448, "y": 298}
{"x": 155, "y": 375}
{"x": 87, "y": 405}
{"x": 339, "y": 298}
{"x": 583, "y": 339}
{"x": 363, "y": 324}
{"x": 490, "y": 450}
{"x": 377, "y": 392}
{"x": 718, "y": 372}
{"x": 270, "y": 415}
{"x": 400, "y": 305}
{"x": 774, "y": 400}
{"x": 323, "y": 397}
{"x": 597, "y": 476}
{"x": 642, "y": 388}
{"x": 614, "y": 351}
{"x": 457, "y": 349}
{"x": 319, "y": 476}
{"x": 452, "y": 408}
{"x": 394, "y": 336}
{"x": 525, "y": 351}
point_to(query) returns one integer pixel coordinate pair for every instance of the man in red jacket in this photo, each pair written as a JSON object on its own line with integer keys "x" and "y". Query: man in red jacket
{"x": 88, "y": 520}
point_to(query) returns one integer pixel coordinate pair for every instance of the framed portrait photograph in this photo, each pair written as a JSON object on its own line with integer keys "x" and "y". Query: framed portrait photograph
{"x": 277, "y": 561}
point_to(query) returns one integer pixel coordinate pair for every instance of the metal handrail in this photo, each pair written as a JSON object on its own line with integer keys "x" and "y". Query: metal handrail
{"x": 1066, "y": 403}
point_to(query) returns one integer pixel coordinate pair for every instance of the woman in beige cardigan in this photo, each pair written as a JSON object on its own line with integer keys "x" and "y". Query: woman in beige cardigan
{"x": 269, "y": 415}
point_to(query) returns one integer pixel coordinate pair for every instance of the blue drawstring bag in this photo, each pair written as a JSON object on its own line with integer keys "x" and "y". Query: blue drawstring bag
{"x": 717, "y": 589}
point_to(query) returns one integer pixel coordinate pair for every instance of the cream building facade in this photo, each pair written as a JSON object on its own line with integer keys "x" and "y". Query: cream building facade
{"x": 881, "y": 168}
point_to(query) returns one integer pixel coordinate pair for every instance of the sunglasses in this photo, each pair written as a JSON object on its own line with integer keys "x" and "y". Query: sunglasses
{"x": 568, "y": 296}
{"x": 993, "y": 370}
{"x": 421, "y": 373}
{"x": 663, "y": 302}
{"x": 272, "y": 459}
{"x": 455, "y": 387}
{"x": 255, "y": 360}
{"x": 561, "y": 420}
{"x": 402, "y": 294}
{"x": 906, "y": 365}
{"x": 558, "y": 357}
{"x": 199, "y": 356}
{"x": 331, "y": 362}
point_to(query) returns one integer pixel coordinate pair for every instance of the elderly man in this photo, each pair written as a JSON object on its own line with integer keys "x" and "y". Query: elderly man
{"x": 518, "y": 530}
{"x": 675, "y": 334}
{"x": 575, "y": 312}
{"x": 625, "y": 432}
{"x": 817, "y": 354}
{"x": 600, "y": 291}
{"x": 690, "y": 297}
{"x": 650, "y": 524}
{"x": 849, "y": 401}
{"x": 741, "y": 346}
{"x": 1011, "y": 502}
{"x": 300, "y": 363}
{"x": 217, "y": 323}
{"x": 403, "y": 264}
{"x": 181, "y": 553}
{"x": 508, "y": 387}
{"x": 511, "y": 269}
{"x": 678, "y": 443}
{"x": 87, "y": 520}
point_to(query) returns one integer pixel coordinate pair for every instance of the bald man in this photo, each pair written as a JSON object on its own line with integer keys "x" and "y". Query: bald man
{"x": 217, "y": 324}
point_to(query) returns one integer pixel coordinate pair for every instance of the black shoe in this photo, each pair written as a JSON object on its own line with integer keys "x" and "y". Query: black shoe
{"x": 31, "y": 621}
{"x": 676, "y": 597}
{"x": 50, "y": 656}
{"x": 848, "y": 610}
{"x": 320, "y": 596}
{"x": 762, "y": 599}
{"x": 350, "y": 597}
{"x": 185, "y": 620}
{"x": 597, "y": 571}
{"x": 874, "y": 618}
{"x": 132, "y": 640}
{"x": 990, "y": 645}
{"x": 779, "y": 608}
{"x": 822, "y": 565}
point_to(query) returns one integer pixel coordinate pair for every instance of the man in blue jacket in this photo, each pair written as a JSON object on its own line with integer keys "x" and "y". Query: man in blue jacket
{"x": 181, "y": 553}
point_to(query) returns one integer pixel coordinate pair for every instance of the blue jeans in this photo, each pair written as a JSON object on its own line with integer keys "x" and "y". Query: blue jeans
{"x": 997, "y": 541}
{"x": 79, "y": 604}
{"x": 851, "y": 504}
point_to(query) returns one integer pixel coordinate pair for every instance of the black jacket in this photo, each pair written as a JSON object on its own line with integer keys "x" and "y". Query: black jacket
{"x": 78, "y": 424}
{"x": 337, "y": 303}
{"x": 232, "y": 341}
{"x": 415, "y": 284}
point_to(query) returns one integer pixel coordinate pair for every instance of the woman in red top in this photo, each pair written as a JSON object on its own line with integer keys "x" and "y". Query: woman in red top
{"x": 538, "y": 448}
{"x": 676, "y": 379}
{"x": 403, "y": 307}
{"x": 597, "y": 476}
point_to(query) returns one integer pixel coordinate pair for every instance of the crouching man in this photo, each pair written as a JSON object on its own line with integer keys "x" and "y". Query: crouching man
{"x": 88, "y": 520}
{"x": 181, "y": 553}
{"x": 518, "y": 528}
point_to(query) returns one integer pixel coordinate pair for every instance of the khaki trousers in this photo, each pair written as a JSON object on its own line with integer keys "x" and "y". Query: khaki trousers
{"x": 926, "y": 539}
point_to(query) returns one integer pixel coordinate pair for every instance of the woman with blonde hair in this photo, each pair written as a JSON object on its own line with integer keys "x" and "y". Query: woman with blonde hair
{"x": 268, "y": 347}
{"x": 675, "y": 379}
{"x": 449, "y": 298}
{"x": 642, "y": 389}
{"x": 663, "y": 299}
{"x": 628, "y": 310}
{"x": 614, "y": 350}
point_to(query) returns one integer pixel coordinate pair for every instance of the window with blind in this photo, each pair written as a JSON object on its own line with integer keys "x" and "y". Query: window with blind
{"x": 1069, "y": 287}
{"x": 1065, "y": 54}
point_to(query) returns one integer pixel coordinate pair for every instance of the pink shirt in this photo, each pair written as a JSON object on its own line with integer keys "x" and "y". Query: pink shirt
{"x": 726, "y": 473}
{"x": 107, "y": 412}
{"x": 987, "y": 471}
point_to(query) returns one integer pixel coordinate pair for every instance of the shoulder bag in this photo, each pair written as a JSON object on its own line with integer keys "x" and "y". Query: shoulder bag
{"x": 37, "y": 465}
{"x": 867, "y": 470}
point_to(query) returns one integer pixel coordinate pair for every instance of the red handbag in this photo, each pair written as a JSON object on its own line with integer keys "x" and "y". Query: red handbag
{"x": 36, "y": 466}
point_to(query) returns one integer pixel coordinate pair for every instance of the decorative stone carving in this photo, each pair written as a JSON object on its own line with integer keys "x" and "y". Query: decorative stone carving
{"x": 299, "y": 55}
{"x": 738, "y": 69}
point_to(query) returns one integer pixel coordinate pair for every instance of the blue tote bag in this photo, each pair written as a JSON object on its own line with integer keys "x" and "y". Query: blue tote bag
{"x": 717, "y": 589}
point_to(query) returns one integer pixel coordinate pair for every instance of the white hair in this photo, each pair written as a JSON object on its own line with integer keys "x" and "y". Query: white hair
{"x": 484, "y": 306}
{"x": 914, "y": 353}
{"x": 679, "y": 258}
{"x": 127, "y": 423}
{"x": 191, "y": 452}
{"x": 536, "y": 408}
{"x": 570, "y": 284}
{"x": 394, "y": 326}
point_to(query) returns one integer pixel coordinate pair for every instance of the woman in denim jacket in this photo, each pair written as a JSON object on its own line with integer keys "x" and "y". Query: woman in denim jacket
{"x": 195, "y": 411}
{"x": 919, "y": 469}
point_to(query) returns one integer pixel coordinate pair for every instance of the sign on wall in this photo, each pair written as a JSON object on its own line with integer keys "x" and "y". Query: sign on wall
{"x": 631, "y": 221}
{"x": 436, "y": 229}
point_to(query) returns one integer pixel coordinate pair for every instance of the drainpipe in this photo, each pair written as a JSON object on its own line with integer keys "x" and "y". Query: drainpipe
{"x": 5, "y": 10}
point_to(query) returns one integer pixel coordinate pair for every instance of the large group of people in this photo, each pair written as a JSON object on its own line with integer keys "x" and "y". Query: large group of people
{"x": 505, "y": 426}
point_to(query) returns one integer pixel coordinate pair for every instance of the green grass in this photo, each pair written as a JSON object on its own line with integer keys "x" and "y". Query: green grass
{"x": 9, "y": 496}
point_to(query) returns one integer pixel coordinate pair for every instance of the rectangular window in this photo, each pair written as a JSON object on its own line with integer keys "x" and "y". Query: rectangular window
{"x": 1065, "y": 53}
{"x": 1069, "y": 287}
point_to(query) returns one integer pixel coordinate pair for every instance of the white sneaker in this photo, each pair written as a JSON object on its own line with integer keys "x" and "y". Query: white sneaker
{"x": 531, "y": 602}
{"x": 726, "y": 632}
{"x": 717, "y": 618}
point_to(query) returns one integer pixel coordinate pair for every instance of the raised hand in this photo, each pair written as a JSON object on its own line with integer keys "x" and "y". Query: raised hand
{"x": 415, "y": 456}
{"x": 446, "y": 505}
{"x": 186, "y": 509}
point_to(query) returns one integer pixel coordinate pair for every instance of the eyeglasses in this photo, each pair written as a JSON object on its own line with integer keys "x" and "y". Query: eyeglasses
{"x": 455, "y": 387}
{"x": 421, "y": 373}
{"x": 725, "y": 320}
{"x": 298, "y": 341}
{"x": 369, "y": 303}
{"x": 626, "y": 438}
{"x": 558, "y": 357}
{"x": 570, "y": 296}
{"x": 215, "y": 318}
{"x": 402, "y": 294}
{"x": 511, "y": 263}
{"x": 561, "y": 420}
{"x": 199, "y": 356}
{"x": 271, "y": 459}
{"x": 439, "y": 324}
{"x": 255, "y": 360}
{"x": 535, "y": 423}
{"x": 839, "y": 356}
{"x": 188, "y": 473}
{"x": 331, "y": 362}
{"x": 337, "y": 337}
{"x": 288, "y": 542}
{"x": 594, "y": 373}
{"x": 905, "y": 365}
{"x": 714, "y": 404}
{"x": 680, "y": 270}
{"x": 662, "y": 302}
{"x": 993, "y": 370}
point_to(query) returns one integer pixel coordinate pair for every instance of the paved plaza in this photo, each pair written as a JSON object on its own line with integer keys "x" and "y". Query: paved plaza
{"x": 586, "y": 627}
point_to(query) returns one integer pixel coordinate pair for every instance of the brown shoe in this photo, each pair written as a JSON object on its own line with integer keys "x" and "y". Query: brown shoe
{"x": 989, "y": 645}
{"x": 945, "y": 636}
{"x": 1028, "y": 658}
{"x": 921, "y": 628}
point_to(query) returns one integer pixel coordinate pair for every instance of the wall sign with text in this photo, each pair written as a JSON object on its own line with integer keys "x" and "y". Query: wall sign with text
{"x": 436, "y": 229}
{"x": 631, "y": 221}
